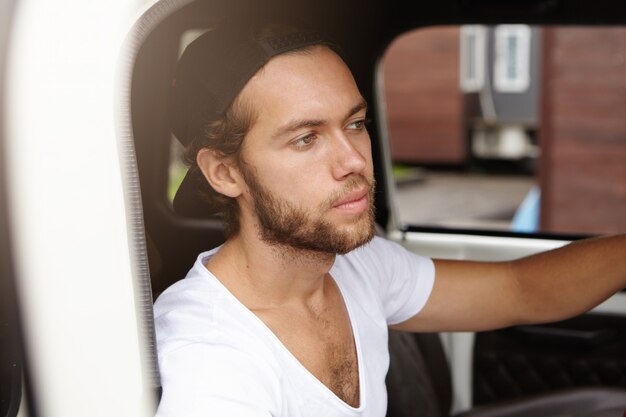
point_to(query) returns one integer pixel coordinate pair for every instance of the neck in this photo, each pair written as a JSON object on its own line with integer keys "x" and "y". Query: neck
{"x": 265, "y": 275}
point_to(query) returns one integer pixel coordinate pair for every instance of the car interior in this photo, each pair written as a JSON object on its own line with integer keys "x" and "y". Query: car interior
{"x": 573, "y": 368}
{"x": 10, "y": 351}
{"x": 419, "y": 381}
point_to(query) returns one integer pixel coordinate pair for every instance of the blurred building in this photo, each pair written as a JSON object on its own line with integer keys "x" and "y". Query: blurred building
{"x": 556, "y": 96}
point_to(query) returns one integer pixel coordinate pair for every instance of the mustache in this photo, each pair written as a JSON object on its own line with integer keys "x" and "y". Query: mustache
{"x": 353, "y": 183}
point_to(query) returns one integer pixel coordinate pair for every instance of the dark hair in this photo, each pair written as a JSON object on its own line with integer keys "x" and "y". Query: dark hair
{"x": 225, "y": 136}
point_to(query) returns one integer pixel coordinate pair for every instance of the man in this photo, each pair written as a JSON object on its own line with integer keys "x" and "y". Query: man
{"x": 289, "y": 317}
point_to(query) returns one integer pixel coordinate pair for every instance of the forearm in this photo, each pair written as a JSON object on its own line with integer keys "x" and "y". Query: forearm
{"x": 554, "y": 285}
{"x": 571, "y": 280}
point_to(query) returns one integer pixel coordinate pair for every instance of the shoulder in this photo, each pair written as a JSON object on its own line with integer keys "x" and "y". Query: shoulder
{"x": 199, "y": 310}
{"x": 187, "y": 295}
{"x": 209, "y": 351}
{"x": 185, "y": 313}
{"x": 188, "y": 292}
{"x": 399, "y": 280}
{"x": 218, "y": 379}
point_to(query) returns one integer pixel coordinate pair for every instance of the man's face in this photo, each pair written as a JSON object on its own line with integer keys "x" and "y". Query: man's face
{"x": 307, "y": 159}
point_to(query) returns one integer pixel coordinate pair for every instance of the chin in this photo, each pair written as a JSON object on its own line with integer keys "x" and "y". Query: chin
{"x": 354, "y": 239}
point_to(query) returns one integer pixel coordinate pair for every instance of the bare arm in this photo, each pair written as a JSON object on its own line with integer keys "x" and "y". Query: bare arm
{"x": 545, "y": 287}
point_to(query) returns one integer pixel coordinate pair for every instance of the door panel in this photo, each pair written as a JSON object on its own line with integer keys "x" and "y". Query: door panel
{"x": 447, "y": 245}
{"x": 584, "y": 351}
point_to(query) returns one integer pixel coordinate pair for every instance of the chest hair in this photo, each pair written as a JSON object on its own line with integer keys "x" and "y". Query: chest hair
{"x": 321, "y": 338}
{"x": 343, "y": 372}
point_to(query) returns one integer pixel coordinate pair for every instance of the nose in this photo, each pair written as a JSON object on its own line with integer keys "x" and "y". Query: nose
{"x": 350, "y": 155}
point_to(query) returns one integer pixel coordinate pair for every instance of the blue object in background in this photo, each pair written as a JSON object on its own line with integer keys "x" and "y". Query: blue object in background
{"x": 526, "y": 218}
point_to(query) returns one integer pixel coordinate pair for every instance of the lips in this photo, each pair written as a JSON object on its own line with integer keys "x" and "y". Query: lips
{"x": 354, "y": 201}
{"x": 351, "y": 197}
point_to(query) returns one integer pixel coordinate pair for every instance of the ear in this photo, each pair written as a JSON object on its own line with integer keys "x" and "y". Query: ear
{"x": 220, "y": 172}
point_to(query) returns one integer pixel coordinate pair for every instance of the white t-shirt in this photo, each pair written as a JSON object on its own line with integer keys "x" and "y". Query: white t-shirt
{"x": 217, "y": 358}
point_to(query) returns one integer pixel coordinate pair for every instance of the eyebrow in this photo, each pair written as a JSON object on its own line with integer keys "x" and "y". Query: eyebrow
{"x": 304, "y": 123}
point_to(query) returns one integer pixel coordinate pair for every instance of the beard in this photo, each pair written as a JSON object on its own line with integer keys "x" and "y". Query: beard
{"x": 284, "y": 224}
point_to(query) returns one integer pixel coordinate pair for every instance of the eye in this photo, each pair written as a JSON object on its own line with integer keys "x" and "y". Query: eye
{"x": 358, "y": 124}
{"x": 304, "y": 141}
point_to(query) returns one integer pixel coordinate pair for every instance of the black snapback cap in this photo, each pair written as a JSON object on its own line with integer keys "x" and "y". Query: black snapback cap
{"x": 210, "y": 74}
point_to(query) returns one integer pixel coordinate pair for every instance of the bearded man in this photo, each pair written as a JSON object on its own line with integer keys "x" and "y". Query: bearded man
{"x": 289, "y": 317}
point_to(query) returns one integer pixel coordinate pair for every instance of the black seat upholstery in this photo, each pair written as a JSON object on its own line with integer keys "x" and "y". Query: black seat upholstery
{"x": 419, "y": 385}
{"x": 418, "y": 381}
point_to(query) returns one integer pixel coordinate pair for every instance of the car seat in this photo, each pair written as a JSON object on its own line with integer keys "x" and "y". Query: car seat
{"x": 419, "y": 385}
